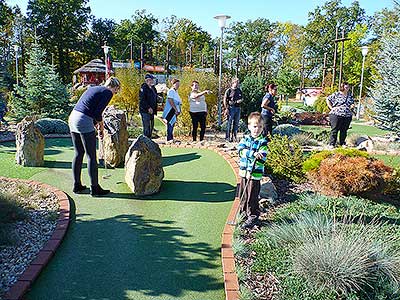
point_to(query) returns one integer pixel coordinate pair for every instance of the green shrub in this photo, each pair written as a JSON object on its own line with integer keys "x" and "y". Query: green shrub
{"x": 134, "y": 132}
{"x": 320, "y": 104}
{"x": 52, "y": 126}
{"x": 323, "y": 136}
{"x": 286, "y": 130}
{"x": 285, "y": 158}
{"x": 314, "y": 161}
{"x": 305, "y": 139}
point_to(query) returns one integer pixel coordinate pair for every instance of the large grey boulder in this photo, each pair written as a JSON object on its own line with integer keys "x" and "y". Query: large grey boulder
{"x": 143, "y": 167}
{"x": 115, "y": 140}
{"x": 30, "y": 144}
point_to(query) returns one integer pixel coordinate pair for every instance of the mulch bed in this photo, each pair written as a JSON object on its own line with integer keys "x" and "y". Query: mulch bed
{"x": 30, "y": 234}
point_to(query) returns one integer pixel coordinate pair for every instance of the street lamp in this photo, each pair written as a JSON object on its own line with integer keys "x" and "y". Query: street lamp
{"x": 221, "y": 22}
{"x": 16, "y": 48}
{"x": 364, "y": 51}
{"x": 105, "y": 49}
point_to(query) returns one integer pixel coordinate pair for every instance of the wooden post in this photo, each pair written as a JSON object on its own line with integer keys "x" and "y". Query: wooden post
{"x": 141, "y": 56}
{"x": 334, "y": 59}
{"x": 341, "y": 60}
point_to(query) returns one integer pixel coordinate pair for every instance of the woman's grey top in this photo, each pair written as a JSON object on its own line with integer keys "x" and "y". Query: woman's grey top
{"x": 80, "y": 123}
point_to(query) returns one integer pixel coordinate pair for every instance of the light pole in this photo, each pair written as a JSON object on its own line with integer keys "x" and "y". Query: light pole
{"x": 105, "y": 49}
{"x": 221, "y": 22}
{"x": 16, "y": 48}
{"x": 364, "y": 51}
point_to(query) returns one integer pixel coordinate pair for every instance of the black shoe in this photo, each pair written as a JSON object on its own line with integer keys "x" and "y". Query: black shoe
{"x": 96, "y": 191}
{"x": 79, "y": 188}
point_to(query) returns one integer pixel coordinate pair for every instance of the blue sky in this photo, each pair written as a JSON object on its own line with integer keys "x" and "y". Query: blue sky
{"x": 203, "y": 11}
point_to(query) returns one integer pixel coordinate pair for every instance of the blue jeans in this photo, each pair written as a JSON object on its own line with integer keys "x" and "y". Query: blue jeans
{"x": 234, "y": 117}
{"x": 170, "y": 132}
{"x": 148, "y": 124}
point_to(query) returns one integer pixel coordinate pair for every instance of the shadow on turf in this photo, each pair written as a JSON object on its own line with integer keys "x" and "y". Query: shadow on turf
{"x": 186, "y": 191}
{"x": 179, "y": 158}
{"x": 113, "y": 257}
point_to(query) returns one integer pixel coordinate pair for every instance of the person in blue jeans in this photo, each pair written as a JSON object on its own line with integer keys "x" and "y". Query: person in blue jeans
{"x": 232, "y": 100}
{"x": 268, "y": 109}
{"x": 172, "y": 108}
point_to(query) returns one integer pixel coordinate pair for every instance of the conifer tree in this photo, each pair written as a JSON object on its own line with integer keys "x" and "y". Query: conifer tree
{"x": 386, "y": 90}
{"x": 41, "y": 92}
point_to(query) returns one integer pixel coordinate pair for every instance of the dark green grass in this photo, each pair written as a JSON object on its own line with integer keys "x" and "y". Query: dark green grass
{"x": 390, "y": 160}
{"x": 165, "y": 246}
{"x": 360, "y": 129}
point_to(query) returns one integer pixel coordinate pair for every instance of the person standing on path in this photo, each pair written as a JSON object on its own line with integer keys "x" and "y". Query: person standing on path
{"x": 198, "y": 110}
{"x": 252, "y": 156}
{"x": 232, "y": 100}
{"x": 340, "y": 104}
{"x": 268, "y": 109}
{"x": 148, "y": 104}
{"x": 172, "y": 108}
{"x": 86, "y": 115}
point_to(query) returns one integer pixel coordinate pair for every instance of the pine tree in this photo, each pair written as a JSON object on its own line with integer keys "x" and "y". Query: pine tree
{"x": 386, "y": 91}
{"x": 41, "y": 93}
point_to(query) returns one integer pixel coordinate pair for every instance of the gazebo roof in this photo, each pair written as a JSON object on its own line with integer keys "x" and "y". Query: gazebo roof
{"x": 94, "y": 66}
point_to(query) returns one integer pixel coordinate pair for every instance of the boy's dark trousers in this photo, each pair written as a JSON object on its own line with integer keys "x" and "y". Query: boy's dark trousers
{"x": 249, "y": 195}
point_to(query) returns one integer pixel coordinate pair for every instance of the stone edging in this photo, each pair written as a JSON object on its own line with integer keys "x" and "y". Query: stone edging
{"x": 231, "y": 282}
{"x": 26, "y": 279}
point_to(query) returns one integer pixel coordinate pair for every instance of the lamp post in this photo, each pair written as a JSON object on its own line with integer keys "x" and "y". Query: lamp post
{"x": 364, "y": 51}
{"x": 16, "y": 48}
{"x": 221, "y": 22}
{"x": 105, "y": 49}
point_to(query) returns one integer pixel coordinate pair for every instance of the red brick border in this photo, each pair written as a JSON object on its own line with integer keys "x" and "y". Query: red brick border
{"x": 24, "y": 282}
{"x": 231, "y": 282}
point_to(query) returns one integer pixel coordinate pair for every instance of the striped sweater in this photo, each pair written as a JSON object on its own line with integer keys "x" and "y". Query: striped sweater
{"x": 247, "y": 147}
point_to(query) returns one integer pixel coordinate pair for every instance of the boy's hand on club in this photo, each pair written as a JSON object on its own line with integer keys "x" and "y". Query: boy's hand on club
{"x": 258, "y": 155}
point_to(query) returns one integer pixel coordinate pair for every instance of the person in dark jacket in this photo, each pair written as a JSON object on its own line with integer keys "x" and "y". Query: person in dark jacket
{"x": 148, "y": 104}
{"x": 232, "y": 100}
{"x": 86, "y": 115}
{"x": 268, "y": 109}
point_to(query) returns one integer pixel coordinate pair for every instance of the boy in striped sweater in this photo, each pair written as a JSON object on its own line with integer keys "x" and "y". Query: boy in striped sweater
{"x": 252, "y": 153}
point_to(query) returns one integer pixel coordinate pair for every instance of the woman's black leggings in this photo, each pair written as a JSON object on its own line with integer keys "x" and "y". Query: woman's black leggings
{"x": 198, "y": 117}
{"x": 84, "y": 143}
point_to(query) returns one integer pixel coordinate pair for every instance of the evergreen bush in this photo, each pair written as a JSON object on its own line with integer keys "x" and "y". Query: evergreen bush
{"x": 41, "y": 92}
{"x": 52, "y": 126}
{"x": 343, "y": 175}
{"x": 253, "y": 92}
{"x": 285, "y": 158}
{"x": 286, "y": 130}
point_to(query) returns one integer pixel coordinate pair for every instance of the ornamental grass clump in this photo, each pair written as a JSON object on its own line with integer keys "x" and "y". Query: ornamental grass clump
{"x": 352, "y": 259}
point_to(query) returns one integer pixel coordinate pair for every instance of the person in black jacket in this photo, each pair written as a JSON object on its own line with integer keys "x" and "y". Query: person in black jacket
{"x": 86, "y": 115}
{"x": 148, "y": 104}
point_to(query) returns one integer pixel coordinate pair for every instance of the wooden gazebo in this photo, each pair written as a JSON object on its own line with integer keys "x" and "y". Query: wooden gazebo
{"x": 93, "y": 73}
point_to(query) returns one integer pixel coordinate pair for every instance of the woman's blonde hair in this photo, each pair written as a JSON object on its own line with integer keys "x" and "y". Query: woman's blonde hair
{"x": 112, "y": 82}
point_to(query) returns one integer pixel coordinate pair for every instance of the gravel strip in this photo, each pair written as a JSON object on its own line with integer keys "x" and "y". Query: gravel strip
{"x": 31, "y": 234}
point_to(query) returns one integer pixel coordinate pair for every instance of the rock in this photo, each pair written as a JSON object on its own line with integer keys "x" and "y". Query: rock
{"x": 29, "y": 143}
{"x": 143, "y": 167}
{"x": 115, "y": 141}
{"x": 365, "y": 143}
{"x": 268, "y": 193}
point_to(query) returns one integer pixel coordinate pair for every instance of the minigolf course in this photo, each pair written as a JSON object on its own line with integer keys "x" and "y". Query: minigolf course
{"x": 165, "y": 246}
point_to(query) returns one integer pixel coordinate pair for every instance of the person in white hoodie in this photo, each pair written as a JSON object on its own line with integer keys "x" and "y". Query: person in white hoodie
{"x": 172, "y": 108}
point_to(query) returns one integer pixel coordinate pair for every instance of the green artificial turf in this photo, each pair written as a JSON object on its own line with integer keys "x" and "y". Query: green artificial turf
{"x": 360, "y": 129}
{"x": 165, "y": 246}
{"x": 390, "y": 160}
